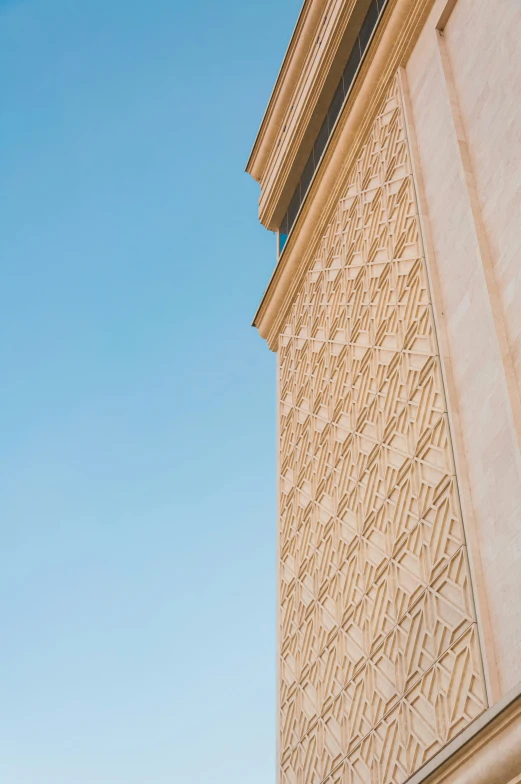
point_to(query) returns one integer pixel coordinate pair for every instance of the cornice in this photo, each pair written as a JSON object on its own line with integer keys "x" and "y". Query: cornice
{"x": 301, "y": 41}
{"x": 391, "y": 46}
{"x": 304, "y": 114}
{"x": 487, "y": 752}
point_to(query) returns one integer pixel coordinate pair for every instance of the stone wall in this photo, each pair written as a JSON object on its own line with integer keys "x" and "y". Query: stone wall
{"x": 464, "y": 88}
{"x": 380, "y": 661}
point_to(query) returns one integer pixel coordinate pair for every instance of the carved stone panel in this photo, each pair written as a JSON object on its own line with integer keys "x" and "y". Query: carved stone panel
{"x": 379, "y": 656}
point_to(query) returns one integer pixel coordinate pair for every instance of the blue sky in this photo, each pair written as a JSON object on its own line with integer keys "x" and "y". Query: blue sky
{"x": 137, "y": 417}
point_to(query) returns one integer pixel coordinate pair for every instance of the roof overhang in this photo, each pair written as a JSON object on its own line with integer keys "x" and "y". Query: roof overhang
{"x": 319, "y": 47}
{"x": 279, "y": 145}
{"x": 303, "y": 33}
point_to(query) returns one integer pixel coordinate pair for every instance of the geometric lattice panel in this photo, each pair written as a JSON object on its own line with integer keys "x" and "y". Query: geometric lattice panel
{"x": 379, "y": 657}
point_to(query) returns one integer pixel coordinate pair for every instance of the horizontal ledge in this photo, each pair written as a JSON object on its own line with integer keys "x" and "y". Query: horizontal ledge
{"x": 487, "y": 752}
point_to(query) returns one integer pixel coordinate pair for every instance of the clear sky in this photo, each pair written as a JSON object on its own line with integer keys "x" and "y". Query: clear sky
{"x": 137, "y": 416}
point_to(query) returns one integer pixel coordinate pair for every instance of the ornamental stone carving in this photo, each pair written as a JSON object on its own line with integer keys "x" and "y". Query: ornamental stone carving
{"x": 379, "y": 656}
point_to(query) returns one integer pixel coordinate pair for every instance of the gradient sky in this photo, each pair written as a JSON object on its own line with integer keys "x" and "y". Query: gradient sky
{"x": 137, "y": 416}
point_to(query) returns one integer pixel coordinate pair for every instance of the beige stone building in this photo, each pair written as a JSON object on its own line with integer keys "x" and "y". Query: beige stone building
{"x": 389, "y": 160}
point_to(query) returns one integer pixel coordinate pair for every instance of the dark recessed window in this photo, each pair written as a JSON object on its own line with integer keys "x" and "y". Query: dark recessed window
{"x": 307, "y": 174}
{"x": 368, "y": 26}
{"x": 346, "y": 80}
{"x": 336, "y": 104}
{"x": 352, "y": 66}
{"x": 320, "y": 144}
{"x": 294, "y": 207}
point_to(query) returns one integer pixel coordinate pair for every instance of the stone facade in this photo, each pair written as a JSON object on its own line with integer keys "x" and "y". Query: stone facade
{"x": 394, "y": 312}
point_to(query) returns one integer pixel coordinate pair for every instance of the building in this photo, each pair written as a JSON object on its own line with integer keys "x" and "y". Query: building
{"x": 389, "y": 160}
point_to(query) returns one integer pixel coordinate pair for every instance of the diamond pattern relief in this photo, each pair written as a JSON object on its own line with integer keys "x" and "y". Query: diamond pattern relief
{"x": 379, "y": 657}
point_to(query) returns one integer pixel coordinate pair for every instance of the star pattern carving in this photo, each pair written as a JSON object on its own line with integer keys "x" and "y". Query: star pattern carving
{"x": 380, "y": 664}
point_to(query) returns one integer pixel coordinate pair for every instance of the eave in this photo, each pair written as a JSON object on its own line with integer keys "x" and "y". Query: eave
{"x": 301, "y": 40}
{"x": 390, "y": 49}
{"x": 318, "y": 50}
